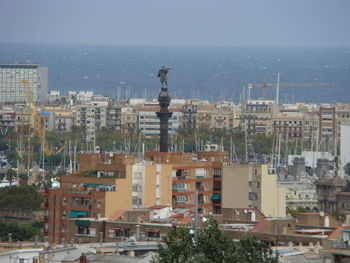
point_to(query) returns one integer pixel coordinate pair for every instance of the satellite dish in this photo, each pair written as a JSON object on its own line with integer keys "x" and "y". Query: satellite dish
{"x": 322, "y": 213}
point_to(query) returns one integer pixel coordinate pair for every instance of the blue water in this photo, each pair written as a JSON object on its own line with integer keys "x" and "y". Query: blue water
{"x": 212, "y": 73}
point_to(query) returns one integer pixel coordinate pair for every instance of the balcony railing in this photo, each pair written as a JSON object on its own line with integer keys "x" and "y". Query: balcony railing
{"x": 341, "y": 244}
{"x": 179, "y": 189}
{"x": 81, "y": 205}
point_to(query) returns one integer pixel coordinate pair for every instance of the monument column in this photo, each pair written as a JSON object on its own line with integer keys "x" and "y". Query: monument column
{"x": 164, "y": 114}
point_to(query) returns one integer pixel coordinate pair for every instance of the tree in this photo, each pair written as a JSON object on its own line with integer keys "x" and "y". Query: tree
{"x": 12, "y": 156}
{"x": 19, "y": 231}
{"x": 10, "y": 175}
{"x": 212, "y": 246}
{"x": 21, "y": 198}
{"x": 179, "y": 247}
{"x": 23, "y": 178}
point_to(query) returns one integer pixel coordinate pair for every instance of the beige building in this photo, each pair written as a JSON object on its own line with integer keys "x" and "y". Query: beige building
{"x": 310, "y": 125}
{"x": 204, "y": 115}
{"x": 252, "y": 186}
{"x": 128, "y": 120}
{"x": 63, "y": 118}
{"x": 288, "y": 124}
{"x": 256, "y": 116}
{"x": 104, "y": 185}
{"x": 91, "y": 119}
{"x": 223, "y": 119}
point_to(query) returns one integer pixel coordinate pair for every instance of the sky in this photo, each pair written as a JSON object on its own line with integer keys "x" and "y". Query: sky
{"x": 264, "y": 23}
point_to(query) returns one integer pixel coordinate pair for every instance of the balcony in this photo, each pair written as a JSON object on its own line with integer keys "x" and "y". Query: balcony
{"x": 179, "y": 190}
{"x": 82, "y": 205}
{"x": 339, "y": 244}
{"x": 182, "y": 203}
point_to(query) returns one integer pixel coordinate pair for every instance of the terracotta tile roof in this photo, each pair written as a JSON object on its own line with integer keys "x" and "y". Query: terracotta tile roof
{"x": 158, "y": 207}
{"x": 178, "y": 216}
{"x": 117, "y": 214}
{"x": 308, "y": 213}
{"x": 186, "y": 219}
{"x": 260, "y": 226}
{"x": 336, "y": 233}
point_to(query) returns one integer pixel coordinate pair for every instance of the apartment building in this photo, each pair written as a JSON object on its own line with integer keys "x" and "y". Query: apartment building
{"x": 189, "y": 116}
{"x": 252, "y": 186}
{"x": 311, "y": 125}
{"x": 149, "y": 124}
{"x": 288, "y": 124}
{"x": 222, "y": 118}
{"x": 7, "y": 118}
{"x": 103, "y": 185}
{"x": 189, "y": 175}
{"x": 256, "y": 116}
{"x": 128, "y": 120}
{"x": 11, "y": 86}
{"x": 91, "y": 119}
{"x": 327, "y": 123}
{"x": 342, "y": 116}
{"x": 63, "y": 118}
{"x": 204, "y": 115}
{"x": 114, "y": 118}
{"x": 23, "y": 117}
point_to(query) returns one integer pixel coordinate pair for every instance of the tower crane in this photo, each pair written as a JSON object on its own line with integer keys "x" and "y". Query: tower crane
{"x": 264, "y": 85}
{"x": 38, "y": 127}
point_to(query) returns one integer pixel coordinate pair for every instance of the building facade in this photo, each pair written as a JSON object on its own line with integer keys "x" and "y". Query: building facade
{"x": 11, "y": 87}
{"x": 253, "y": 187}
{"x": 104, "y": 185}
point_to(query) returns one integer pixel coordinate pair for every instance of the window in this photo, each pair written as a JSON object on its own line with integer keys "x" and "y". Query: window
{"x": 136, "y": 201}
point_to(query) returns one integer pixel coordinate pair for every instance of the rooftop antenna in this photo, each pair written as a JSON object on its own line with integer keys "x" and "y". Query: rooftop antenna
{"x": 278, "y": 88}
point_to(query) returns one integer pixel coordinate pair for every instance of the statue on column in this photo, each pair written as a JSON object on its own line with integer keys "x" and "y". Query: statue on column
{"x": 162, "y": 75}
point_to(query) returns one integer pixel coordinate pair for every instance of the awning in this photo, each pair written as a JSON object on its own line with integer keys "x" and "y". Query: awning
{"x": 104, "y": 186}
{"x": 75, "y": 214}
{"x": 85, "y": 223}
{"x": 216, "y": 197}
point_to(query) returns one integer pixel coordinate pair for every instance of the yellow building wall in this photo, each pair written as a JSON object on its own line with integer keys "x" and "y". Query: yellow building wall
{"x": 166, "y": 184}
{"x": 235, "y": 186}
{"x": 121, "y": 199}
{"x": 273, "y": 197}
{"x": 150, "y": 186}
{"x": 151, "y": 181}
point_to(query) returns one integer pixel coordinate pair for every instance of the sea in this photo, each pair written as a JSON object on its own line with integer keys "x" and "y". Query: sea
{"x": 211, "y": 73}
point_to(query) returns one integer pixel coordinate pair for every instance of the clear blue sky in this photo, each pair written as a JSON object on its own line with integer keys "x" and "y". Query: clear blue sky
{"x": 177, "y": 22}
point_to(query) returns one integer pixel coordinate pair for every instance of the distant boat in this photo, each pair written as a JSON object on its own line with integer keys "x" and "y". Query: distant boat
{"x": 85, "y": 77}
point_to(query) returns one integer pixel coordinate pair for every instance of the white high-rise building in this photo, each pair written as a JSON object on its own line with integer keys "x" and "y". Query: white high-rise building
{"x": 11, "y": 86}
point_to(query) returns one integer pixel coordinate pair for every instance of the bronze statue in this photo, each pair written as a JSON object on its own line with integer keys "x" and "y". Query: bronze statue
{"x": 163, "y": 71}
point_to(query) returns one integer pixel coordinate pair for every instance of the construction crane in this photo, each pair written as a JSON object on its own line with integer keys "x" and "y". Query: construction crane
{"x": 264, "y": 85}
{"x": 38, "y": 127}
{"x": 60, "y": 150}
